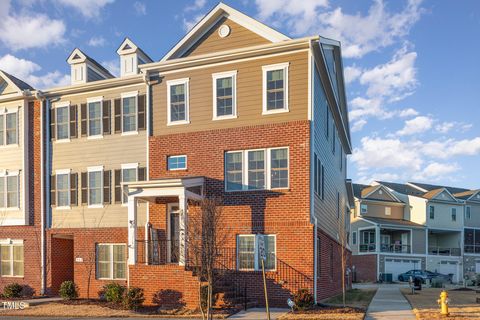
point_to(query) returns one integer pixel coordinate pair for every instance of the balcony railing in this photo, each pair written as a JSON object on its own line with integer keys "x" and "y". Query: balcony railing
{"x": 442, "y": 251}
{"x": 472, "y": 248}
{"x": 396, "y": 248}
{"x": 367, "y": 247}
{"x": 158, "y": 252}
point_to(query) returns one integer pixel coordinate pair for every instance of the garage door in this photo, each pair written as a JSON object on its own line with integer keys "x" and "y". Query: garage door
{"x": 397, "y": 266}
{"x": 450, "y": 267}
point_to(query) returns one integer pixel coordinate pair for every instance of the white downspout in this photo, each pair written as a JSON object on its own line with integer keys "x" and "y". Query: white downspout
{"x": 315, "y": 262}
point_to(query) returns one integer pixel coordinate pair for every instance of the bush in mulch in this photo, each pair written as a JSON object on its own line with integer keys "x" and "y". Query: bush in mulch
{"x": 133, "y": 298}
{"x": 303, "y": 299}
{"x": 13, "y": 290}
{"x": 68, "y": 290}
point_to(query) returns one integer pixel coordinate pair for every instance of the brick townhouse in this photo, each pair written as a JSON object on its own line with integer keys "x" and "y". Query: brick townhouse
{"x": 236, "y": 111}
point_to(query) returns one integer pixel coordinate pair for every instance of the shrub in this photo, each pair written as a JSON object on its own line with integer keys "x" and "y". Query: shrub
{"x": 113, "y": 292}
{"x": 204, "y": 297}
{"x": 133, "y": 298}
{"x": 68, "y": 290}
{"x": 303, "y": 299}
{"x": 13, "y": 290}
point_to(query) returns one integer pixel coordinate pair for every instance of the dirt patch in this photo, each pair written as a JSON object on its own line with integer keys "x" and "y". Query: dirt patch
{"x": 355, "y": 298}
{"x": 462, "y": 305}
{"x": 324, "y": 313}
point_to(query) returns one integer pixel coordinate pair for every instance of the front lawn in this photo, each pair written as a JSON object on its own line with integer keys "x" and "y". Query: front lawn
{"x": 462, "y": 305}
{"x": 357, "y": 301}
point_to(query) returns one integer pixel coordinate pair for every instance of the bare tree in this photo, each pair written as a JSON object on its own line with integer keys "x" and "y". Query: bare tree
{"x": 206, "y": 236}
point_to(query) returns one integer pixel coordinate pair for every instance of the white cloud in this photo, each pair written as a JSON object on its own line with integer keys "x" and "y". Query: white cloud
{"x": 140, "y": 8}
{"x": 113, "y": 66}
{"x": 197, "y": 5}
{"x": 27, "y": 71}
{"x": 436, "y": 170}
{"x": 416, "y": 125}
{"x": 97, "y": 41}
{"x": 88, "y": 8}
{"x": 189, "y": 24}
{"x": 358, "y": 125}
{"x": 16, "y": 29}
{"x": 351, "y": 74}
{"x": 379, "y": 27}
{"x": 407, "y": 113}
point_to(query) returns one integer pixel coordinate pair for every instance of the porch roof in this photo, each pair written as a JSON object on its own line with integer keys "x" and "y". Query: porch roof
{"x": 191, "y": 187}
{"x": 393, "y": 222}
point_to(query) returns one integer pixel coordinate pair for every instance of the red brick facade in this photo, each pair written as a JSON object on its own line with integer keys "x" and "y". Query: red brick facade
{"x": 30, "y": 233}
{"x": 365, "y": 267}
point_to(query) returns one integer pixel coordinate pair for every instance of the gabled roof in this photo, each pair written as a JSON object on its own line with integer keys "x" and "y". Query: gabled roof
{"x": 468, "y": 195}
{"x": 78, "y": 56}
{"x": 431, "y": 195}
{"x": 15, "y": 82}
{"x": 362, "y": 191}
{"x": 402, "y": 188}
{"x": 219, "y": 11}
{"x": 393, "y": 222}
{"x": 127, "y": 46}
{"x": 430, "y": 187}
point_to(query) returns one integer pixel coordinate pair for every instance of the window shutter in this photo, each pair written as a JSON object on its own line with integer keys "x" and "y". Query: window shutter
{"x": 84, "y": 187}
{"x": 118, "y": 115}
{"x": 107, "y": 111}
{"x": 83, "y": 112}
{"x": 73, "y": 122}
{"x": 52, "y": 123}
{"x": 118, "y": 187}
{"x": 53, "y": 187}
{"x": 73, "y": 189}
{"x": 141, "y": 112}
{"x": 107, "y": 182}
{"x": 142, "y": 174}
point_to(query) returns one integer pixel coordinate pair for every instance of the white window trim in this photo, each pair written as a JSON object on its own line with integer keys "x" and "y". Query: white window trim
{"x": 13, "y": 243}
{"x": 178, "y": 156}
{"x": 127, "y": 166}
{"x": 11, "y": 173}
{"x": 110, "y": 245}
{"x": 354, "y": 238}
{"x": 363, "y": 205}
{"x": 273, "y": 67}
{"x": 129, "y": 95}
{"x": 58, "y": 105}
{"x": 62, "y": 172}
{"x": 184, "y": 81}
{"x": 470, "y": 215}
{"x": 268, "y": 171}
{"x": 95, "y": 169}
{"x": 4, "y": 112}
{"x": 220, "y": 75}
{"x": 388, "y": 211}
{"x": 93, "y": 100}
{"x": 257, "y": 263}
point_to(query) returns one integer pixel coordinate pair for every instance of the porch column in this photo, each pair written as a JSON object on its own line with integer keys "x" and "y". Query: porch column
{"x": 377, "y": 239}
{"x": 132, "y": 230}
{"x": 182, "y": 204}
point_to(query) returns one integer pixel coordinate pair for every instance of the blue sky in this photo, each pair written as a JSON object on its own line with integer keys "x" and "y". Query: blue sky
{"x": 411, "y": 66}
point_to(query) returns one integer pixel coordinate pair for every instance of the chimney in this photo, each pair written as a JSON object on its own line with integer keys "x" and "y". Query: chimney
{"x": 131, "y": 56}
{"x": 84, "y": 69}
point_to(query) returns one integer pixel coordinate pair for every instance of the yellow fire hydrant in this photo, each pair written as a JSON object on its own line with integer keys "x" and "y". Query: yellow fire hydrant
{"x": 443, "y": 303}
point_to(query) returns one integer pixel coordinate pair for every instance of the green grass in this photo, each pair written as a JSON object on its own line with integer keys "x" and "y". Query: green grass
{"x": 354, "y": 298}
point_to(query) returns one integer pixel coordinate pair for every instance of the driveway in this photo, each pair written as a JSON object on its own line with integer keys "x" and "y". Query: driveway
{"x": 389, "y": 304}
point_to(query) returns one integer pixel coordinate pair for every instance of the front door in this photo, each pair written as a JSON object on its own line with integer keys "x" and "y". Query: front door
{"x": 173, "y": 232}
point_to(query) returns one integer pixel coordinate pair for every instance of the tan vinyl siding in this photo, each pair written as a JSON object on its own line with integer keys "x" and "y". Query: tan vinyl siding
{"x": 111, "y": 151}
{"x": 381, "y": 195}
{"x": 239, "y": 37}
{"x": 378, "y": 211}
{"x": 249, "y": 95}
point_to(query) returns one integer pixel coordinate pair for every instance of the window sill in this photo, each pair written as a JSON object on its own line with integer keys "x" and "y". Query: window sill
{"x": 275, "y": 111}
{"x": 95, "y": 206}
{"x": 225, "y": 117}
{"x": 258, "y": 190}
{"x": 64, "y": 208}
{"x": 9, "y": 146}
{"x": 94, "y": 137}
{"x": 11, "y": 209}
{"x": 16, "y": 277}
{"x": 176, "y": 123}
{"x": 130, "y": 133}
{"x": 112, "y": 279}
{"x": 61, "y": 141}
{"x": 181, "y": 169}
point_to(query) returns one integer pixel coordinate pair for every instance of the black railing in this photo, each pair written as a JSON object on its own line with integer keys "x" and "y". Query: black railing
{"x": 442, "y": 251}
{"x": 367, "y": 247}
{"x": 469, "y": 248}
{"x": 397, "y": 248}
{"x": 158, "y": 252}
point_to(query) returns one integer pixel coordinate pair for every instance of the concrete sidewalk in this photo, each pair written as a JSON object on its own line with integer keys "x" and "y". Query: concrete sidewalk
{"x": 389, "y": 304}
{"x": 259, "y": 314}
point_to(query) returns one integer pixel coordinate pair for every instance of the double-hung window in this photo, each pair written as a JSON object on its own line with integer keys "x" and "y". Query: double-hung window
{"x": 248, "y": 255}
{"x": 178, "y": 102}
{"x": 129, "y": 112}
{"x": 10, "y": 190}
{"x": 363, "y": 208}
{"x": 95, "y": 186}
{"x": 111, "y": 261}
{"x": 177, "y": 162}
{"x": 8, "y": 129}
{"x": 12, "y": 259}
{"x": 224, "y": 95}
{"x": 275, "y": 88}
{"x": 431, "y": 210}
{"x": 454, "y": 214}
{"x": 94, "y": 117}
{"x": 468, "y": 212}
{"x": 62, "y": 114}
{"x": 257, "y": 169}
{"x": 63, "y": 188}
{"x": 129, "y": 174}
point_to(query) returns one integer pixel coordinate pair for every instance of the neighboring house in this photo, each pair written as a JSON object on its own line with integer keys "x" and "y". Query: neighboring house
{"x": 384, "y": 240}
{"x": 471, "y": 244}
{"x": 21, "y": 238}
{"x": 244, "y": 113}
{"x": 97, "y": 140}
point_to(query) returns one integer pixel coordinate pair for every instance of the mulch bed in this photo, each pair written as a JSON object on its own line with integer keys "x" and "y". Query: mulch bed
{"x": 328, "y": 309}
